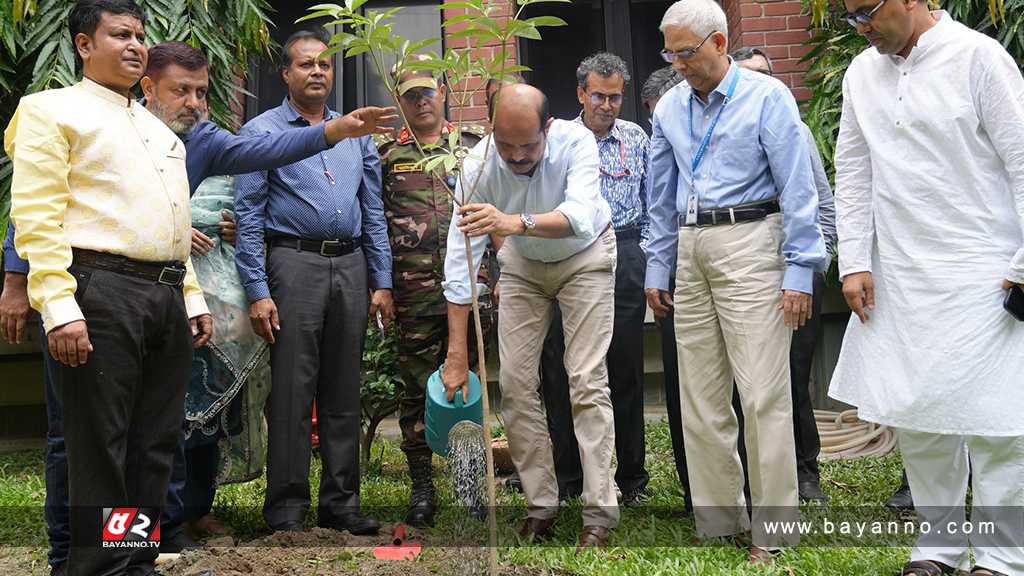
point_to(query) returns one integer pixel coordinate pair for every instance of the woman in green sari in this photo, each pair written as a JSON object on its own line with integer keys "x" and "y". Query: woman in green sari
{"x": 224, "y": 423}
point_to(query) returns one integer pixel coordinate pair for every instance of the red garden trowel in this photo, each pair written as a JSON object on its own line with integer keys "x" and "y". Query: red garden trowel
{"x": 399, "y": 549}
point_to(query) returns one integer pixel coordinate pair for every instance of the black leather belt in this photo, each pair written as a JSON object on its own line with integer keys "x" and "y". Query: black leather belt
{"x": 328, "y": 248}
{"x": 169, "y": 273}
{"x": 741, "y": 213}
{"x": 631, "y": 232}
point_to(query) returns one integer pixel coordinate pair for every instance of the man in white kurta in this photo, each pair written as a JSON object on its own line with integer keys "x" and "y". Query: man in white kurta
{"x": 929, "y": 200}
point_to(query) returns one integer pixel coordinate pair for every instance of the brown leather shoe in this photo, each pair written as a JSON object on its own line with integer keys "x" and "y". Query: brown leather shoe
{"x": 592, "y": 537}
{"x": 762, "y": 556}
{"x": 537, "y": 529}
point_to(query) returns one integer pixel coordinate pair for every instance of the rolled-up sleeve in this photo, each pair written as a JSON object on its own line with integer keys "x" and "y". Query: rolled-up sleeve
{"x": 663, "y": 173}
{"x": 587, "y": 211}
{"x": 457, "y": 276}
{"x": 375, "y": 228}
{"x": 803, "y": 245}
{"x": 855, "y": 221}
{"x": 39, "y": 198}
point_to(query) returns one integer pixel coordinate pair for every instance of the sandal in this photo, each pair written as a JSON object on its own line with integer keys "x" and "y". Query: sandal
{"x": 926, "y": 568}
{"x": 979, "y": 571}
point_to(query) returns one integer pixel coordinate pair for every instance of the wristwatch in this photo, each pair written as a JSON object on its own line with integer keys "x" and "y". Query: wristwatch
{"x": 528, "y": 223}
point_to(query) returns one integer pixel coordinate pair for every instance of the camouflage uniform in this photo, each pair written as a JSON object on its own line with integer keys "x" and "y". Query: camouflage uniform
{"x": 418, "y": 212}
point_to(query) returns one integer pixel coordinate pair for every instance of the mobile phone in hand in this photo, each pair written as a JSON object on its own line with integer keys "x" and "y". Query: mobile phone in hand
{"x": 1014, "y": 302}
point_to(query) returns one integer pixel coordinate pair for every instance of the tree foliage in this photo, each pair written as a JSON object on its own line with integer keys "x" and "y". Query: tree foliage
{"x": 370, "y": 34}
{"x": 36, "y": 52}
{"x": 835, "y": 43}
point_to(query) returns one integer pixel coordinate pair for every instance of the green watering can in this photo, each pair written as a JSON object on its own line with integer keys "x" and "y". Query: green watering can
{"x": 440, "y": 414}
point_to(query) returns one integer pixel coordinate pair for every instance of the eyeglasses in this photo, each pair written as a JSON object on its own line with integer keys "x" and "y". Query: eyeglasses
{"x": 597, "y": 98}
{"x": 622, "y": 161}
{"x": 686, "y": 53}
{"x": 416, "y": 94}
{"x": 862, "y": 18}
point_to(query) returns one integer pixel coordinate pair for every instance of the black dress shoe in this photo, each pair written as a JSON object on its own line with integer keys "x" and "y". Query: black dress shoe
{"x": 177, "y": 544}
{"x": 59, "y": 569}
{"x": 810, "y": 491}
{"x": 902, "y": 499}
{"x": 355, "y": 523}
{"x": 294, "y": 526}
{"x": 635, "y": 497}
{"x": 421, "y": 514}
{"x": 515, "y": 482}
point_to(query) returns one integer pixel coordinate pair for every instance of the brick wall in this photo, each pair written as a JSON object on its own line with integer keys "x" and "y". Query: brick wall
{"x": 471, "y": 90}
{"x": 779, "y": 27}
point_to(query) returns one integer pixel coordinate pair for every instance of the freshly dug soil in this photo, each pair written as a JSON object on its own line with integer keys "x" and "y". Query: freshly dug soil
{"x": 322, "y": 552}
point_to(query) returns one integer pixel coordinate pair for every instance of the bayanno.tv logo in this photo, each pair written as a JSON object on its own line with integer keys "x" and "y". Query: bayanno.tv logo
{"x": 131, "y": 528}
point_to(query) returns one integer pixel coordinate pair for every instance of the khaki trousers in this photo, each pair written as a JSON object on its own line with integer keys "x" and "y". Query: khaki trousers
{"x": 584, "y": 287}
{"x": 729, "y": 327}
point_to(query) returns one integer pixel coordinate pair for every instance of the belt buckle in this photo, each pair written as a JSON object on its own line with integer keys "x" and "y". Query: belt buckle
{"x": 177, "y": 274}
{"x": 336, "y": 244}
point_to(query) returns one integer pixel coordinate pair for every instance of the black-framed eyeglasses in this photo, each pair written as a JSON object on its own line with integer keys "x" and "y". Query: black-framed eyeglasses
{"x": 597, "y": 98}
{"x": 416, "y": 94}
{"x": 863, "y": 18}
{"x": 686, "y": 53}
{"x": 624, "y": 171}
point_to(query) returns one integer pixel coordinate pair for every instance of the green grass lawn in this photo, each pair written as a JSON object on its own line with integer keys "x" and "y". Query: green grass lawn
{"x": 645, "y": 543}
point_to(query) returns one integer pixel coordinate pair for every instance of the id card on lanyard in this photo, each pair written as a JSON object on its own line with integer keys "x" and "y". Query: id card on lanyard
{"x": 692, "y": 201}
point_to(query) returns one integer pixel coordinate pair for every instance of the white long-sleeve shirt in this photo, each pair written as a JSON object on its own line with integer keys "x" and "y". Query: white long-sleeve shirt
{"x": 566, "y": 180}
{"x": 930, "y": 200}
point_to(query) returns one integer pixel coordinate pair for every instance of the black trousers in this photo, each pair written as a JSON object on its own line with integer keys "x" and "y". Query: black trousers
{"x": 625, "y": 381}
{"x": 322, "y": 305}
{"x": 122, "y": 411}
{"x": 670, "y": 370}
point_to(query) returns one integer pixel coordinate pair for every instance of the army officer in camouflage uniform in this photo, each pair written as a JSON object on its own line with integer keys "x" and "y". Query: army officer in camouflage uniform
{"x": 418, "y": 209}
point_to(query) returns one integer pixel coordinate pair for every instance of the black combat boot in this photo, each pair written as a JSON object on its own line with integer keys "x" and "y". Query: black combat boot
{"x": 422, "y": 503}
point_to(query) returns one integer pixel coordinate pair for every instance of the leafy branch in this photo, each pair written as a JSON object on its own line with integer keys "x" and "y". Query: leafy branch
{"x": 370, "y": 34}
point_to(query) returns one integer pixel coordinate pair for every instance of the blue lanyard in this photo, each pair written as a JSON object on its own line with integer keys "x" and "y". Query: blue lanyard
{"x": 711, "y": 129}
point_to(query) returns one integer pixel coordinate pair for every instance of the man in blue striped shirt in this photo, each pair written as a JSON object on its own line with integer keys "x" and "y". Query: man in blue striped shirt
{"x": 323, "y": 221}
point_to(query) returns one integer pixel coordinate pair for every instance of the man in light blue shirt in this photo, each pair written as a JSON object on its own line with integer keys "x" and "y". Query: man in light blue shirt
{"x": 535, "y": 182}
{"x": 734, "y": 206}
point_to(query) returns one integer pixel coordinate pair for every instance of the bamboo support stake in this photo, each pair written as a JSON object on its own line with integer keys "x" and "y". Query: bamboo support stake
{"x": 492, "y": 521}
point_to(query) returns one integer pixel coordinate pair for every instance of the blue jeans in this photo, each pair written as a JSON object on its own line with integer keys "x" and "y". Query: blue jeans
{"x": 55, "y": 509}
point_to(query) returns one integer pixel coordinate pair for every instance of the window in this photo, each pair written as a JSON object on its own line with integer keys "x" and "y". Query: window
{"x": 415, "y": 22}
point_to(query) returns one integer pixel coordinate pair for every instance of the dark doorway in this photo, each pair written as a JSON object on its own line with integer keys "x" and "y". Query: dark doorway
{"x": 554, "y": 58}
{"x": 265, "y": 75}
{"x": 626, "y": 28}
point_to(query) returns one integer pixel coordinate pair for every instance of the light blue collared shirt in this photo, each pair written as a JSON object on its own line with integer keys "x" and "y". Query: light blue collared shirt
{"x": 757, "y": 152}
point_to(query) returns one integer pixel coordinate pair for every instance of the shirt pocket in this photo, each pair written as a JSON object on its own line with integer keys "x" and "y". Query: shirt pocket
{"x": 735, "y": 156}
{"x": 173, "y": 169}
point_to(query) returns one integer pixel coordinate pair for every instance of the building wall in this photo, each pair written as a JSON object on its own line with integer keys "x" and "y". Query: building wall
{"x": 779, "y": 27}
{"x": 471, "y": 90}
